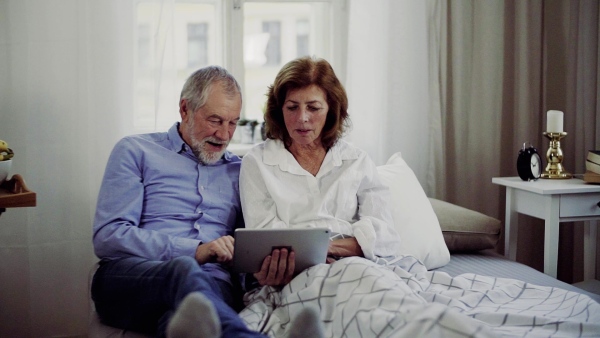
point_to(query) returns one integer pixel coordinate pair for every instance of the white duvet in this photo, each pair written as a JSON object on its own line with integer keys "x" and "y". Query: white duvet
{"x": 358, "y": 298}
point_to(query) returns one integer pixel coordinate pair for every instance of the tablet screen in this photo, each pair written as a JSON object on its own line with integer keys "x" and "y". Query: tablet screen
{"x": 253, "y": 245}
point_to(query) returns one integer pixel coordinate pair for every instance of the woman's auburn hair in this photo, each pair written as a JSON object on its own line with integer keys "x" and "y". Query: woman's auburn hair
{"x": 301, "y": 73}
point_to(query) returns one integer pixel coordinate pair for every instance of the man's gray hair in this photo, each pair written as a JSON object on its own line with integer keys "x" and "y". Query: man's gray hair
{"x": 197, "y": 87}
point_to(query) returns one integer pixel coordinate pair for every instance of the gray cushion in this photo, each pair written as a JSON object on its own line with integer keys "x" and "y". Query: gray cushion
{"x": 465, "y": 229}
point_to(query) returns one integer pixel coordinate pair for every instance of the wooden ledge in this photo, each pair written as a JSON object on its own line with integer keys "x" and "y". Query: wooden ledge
{"x": 14, "y": 193}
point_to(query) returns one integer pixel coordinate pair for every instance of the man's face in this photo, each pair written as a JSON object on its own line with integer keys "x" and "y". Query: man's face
{"x": 210, "y": 128}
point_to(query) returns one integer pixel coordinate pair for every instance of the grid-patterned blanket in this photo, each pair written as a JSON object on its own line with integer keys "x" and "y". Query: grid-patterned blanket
{"x": 359, "y": 298}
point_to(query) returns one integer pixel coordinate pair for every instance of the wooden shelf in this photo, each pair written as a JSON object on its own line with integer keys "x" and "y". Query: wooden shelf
{"x": 14, "y": 194}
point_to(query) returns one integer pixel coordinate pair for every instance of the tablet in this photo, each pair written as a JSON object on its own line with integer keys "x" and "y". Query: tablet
{"x": 253, "y": 245}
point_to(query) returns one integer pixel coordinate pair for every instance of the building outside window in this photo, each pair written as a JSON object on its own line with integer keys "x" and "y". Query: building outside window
{"x": 273, "y": 49}
{"x": 197, "y": 37}
{"x": 302, "y": 38}
{"x": 184, "y": 36}
{"x": 253, "y": 39}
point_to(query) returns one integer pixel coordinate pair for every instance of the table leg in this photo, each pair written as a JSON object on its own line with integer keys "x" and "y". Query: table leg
{"x": 589, "y": 250}
{"x": 511, "y": 227}
{"x": 551, "y": 231}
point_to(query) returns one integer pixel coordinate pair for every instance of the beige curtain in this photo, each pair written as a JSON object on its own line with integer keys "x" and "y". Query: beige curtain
{"x": 495, "y": 68}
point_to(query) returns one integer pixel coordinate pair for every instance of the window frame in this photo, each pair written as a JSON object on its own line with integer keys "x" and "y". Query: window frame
{"x": 234, "y": 28}
{"x": 202, "y": 39}
{"x": 229, "y": 23}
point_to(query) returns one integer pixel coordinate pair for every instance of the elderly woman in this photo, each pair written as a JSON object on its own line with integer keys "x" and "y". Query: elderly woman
{"x": 304, "y": 175}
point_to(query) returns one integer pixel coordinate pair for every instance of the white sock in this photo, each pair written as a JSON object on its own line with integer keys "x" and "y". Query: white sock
{"x": 196, "y": 317}
{"x": 307, "y": 324}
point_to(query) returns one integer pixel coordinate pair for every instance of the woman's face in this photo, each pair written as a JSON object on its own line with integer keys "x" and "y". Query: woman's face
{"x": 304, "y": 113}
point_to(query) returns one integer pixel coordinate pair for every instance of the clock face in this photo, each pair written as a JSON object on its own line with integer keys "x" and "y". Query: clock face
{"x": 536, "y": 165}
{"x": 529, "y": 164}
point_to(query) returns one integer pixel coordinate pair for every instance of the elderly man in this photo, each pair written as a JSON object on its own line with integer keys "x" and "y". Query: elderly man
{"x": 167, "y": 208}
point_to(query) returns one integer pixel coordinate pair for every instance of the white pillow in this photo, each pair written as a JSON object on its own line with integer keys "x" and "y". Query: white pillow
{"x": 414, "y": 218}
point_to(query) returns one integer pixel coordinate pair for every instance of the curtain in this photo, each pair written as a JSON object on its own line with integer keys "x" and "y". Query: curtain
{"x": 496, "y": 68}
{"x": 387, "y": 81}
{"x": 66, "y": 97}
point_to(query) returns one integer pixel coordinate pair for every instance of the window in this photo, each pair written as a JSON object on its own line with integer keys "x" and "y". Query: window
{"x": 302, "y": 36}
{"x": 253, "y": 39}
{"x": 183, "y": 36}
{"x": 276, "y": 32}
{"x": 273, "y": 49}
{"x": 197, "y": 35}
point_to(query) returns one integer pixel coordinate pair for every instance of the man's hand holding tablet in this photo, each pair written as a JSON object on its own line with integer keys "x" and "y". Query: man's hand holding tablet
{"x": 275, "y": 256}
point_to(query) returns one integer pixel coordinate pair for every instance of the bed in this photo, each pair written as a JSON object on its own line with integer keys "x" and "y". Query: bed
{"x": 433, "y": 290}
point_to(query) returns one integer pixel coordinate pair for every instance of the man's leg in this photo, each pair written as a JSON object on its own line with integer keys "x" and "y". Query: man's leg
{"x": 141, "y": 295}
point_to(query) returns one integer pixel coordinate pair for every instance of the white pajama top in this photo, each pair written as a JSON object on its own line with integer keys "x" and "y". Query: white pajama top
{"x": 345, "y": 196}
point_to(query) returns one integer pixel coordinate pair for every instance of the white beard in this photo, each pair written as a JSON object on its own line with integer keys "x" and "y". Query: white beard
{"x": 198, "y": 147}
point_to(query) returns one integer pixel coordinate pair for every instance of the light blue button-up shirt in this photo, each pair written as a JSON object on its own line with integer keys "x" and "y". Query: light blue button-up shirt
{"x": 158, "y": 201}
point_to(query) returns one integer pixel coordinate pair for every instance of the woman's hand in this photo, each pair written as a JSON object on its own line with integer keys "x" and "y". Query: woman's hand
{"x": 277, "y": 269}
{"x": 345, "y": 247}
{"x": 220, "y": 250}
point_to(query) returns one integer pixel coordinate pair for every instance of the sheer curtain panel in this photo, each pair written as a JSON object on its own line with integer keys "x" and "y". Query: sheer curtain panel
{"x": 65, "y": 98}
{"x": 387, "y": 81}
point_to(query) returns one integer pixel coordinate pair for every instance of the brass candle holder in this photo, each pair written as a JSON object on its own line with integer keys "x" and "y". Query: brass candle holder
{"x": 554, "y": 156}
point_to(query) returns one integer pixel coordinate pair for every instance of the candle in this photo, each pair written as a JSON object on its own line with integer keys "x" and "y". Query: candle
{"x": 555, "y": 121}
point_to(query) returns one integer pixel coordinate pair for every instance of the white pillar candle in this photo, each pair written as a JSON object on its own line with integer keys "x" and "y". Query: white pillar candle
{"x": 555, "y": 121}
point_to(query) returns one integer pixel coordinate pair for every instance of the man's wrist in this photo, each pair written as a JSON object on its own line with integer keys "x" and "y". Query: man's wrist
{"x": 197, "y": 254}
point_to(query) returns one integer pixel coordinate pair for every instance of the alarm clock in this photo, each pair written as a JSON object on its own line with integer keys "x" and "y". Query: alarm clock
{"x": 529, "y": 163}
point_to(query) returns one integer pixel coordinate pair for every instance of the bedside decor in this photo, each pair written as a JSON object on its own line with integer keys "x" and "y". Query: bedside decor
{"x": 529, "y": 163}
{"x": 6, "y": 154}
{"x": 592, "y": 167}
{"x": 554, "y": 132}
{"x": 14, "y": 194}
{"x": 5, "y": 168}
{"x": 13, "y": 191}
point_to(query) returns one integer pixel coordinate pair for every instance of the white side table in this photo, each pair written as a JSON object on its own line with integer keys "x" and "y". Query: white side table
{"x": 555, "y": 201}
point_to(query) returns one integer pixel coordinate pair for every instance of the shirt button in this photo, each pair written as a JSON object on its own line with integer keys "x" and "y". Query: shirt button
{"x": 201, "y": 187}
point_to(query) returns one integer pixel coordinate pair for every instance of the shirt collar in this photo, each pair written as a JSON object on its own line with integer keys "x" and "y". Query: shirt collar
{"x": 340, "y": 152}
{"x": 276, "y": 154}
{"x": 179, "y": 146}
{"x": 177, "y": 143}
